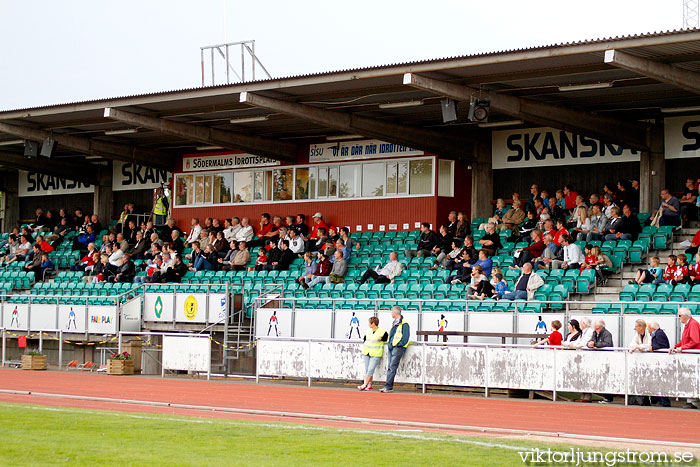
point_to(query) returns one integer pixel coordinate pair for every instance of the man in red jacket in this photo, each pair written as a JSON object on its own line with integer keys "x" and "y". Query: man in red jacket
{"x": 690, "y": 339}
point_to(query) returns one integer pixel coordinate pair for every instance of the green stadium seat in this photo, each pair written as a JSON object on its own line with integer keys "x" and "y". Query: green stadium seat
{"x": 569, "y": 279}
{"x": 645, "y": 292}
{"x": 663, "y": 292}
{"x": 586, "y": 281}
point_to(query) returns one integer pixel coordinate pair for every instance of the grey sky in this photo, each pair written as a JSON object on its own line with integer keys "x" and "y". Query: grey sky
{"x": 71, "y": 50}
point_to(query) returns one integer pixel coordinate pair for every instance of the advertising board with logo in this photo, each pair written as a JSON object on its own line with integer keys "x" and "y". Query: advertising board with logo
{"x": 71, "y": 318}
{"x": 191, "y": 308}
{"x": 102, "y": 320}
{"x": 158, "y": 307}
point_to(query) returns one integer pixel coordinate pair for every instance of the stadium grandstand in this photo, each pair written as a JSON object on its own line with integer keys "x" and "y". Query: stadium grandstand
{"x": 486, "y": 195}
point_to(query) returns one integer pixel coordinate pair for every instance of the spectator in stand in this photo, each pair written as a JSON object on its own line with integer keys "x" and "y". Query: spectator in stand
{"x": 426, "y": 242}
{"x": 526, "y": 285}
{"x": 126, "y": 271}
{"x": 682, "y": 271}
{"x": 35, "y": 264}
{"x": 11, "y": 249}
{"x": 39, "y": 220}
{"x": 59, "y": 231}
{"x": 207, "y": 260}
{"x": 688, "y": 203}
{"x": 614, "y": 223}
{"x": 130, "y": 235}
{"x": 337, "y": 275}
{"x": 386, "y": 274}
{"x": 122, "y": 243}
{"x": 320, "y": 243}
{"x": 261, "y": 260}
{"x": 444, "y": 257}
{"x": 284, "y": 260}
{"x": 690, "y": 340}
{"x": 246, "y": 232}
{"x": 561, "y": 230}
{"x": 534, "y": 194}
{"x": 444, "y": 243}
{"x": 44, "y": 245}
{"x": 501, "y": 287}
{"x": 226, "y": 263}
{"x": 525, "y": 229}
{"x": 561, "y": 201}
{"x": 463, "y": 228}
{"x": 491, "y": 241}
{"x": 340, "y": 246}
{"x": 694, "y": 271}
{"x": 195, "y": 256}
{"x": 694, "y": 244}
{"x": 195, "y": 230}
{"x": 670, "y": 271}
{"x": 659, "y": 341}
{"x": 333, "y": 234}
{"x": 652, "y": 275}
{"x": 147, "y": 228}
{"x": 178, "y": 244}
{"x": 573, "y": 258}
{"x": 208, "y": 225}
{"x": 155, "y": 239}
{"x": 273, "y": 255}
{"x": 513, "y": 218}
{"x": 216, "y": 226}
{"x": 498, "y": 214}
{"x": 530, "y": 252}
{"x": 310, "y": 268}
{"x": 598, "y": 222}
{"x": 475, "y": 283}
{"x": 462, "y": 269}
{"x": 152, "y": 271}
{"x": 231, "y": 228}
{"x": 24, "y": 250}
{"x": 177, "y": 271}
{"x": 273, "y": 234}
{"x": 608, "y": 205}
{"x": 221, "y": 246}
{"x": 83, "y": 240}
{"x": 301, "y": 226}
{"x": 290, "y": 223}
{"x": 539, "y": 207}
{"x": 622, "y": 195}
{"x": 544, "y": 194}
{"x": 569, "y": 198}
{"x": 583, "y": 224}
{"x": 318, "y": 224}
{"x": 206, "y": 238}
{"x": 86, "y": 260}
{"x": 601, "y": 339}
{"x": 629, "y": 227}
{"x": 485, "y": 262}
{"x": 323, "y": 269}
{"x": 46, "y": 266}
{"x": 574, "y": 333}
{"x": 555, "y": 209}
{"x": 670, "y": 209}
{"x": 349, "y": 241}
{"x": 452, "y": 223}
{"x": 167, "y": 229}
{"x": 242, "y": 258}
{"x": 602, "y": 264}
{"x": 592, "y": 201}
{"x": 297, "y": 243}
{"x": 139, "y": 248}
{"x": 554, "y": 337}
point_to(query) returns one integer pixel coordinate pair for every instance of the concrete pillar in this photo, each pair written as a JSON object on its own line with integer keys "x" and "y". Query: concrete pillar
{"x": 652, "y": 172}
{"x": 482, "y": 182}
{"x": 11, "y": 187}
{"x": 102, "y": 201}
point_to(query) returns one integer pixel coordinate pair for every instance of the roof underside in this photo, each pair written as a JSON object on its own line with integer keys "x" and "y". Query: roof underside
{"x": 535, "y": 74}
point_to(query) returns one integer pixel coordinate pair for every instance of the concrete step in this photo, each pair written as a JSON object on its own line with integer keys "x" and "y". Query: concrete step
{"x": 613, "y": 297}
{"x": 608, "y": 289}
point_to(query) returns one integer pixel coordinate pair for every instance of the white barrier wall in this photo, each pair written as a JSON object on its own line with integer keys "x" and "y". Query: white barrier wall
{"x": 339, "y": 324}
{"x": 476, "y": 365}
{"x": 184, "y": 307}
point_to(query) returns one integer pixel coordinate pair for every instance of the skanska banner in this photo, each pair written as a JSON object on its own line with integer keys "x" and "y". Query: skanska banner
{"x": 128, "y": 176}
{"x": 34, "y": 184}
{"x": 682, "y": 137}
{"x": 545, "y": 147}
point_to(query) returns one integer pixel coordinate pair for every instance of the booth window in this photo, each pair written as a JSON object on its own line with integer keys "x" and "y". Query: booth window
{"x": 446, "y": 178}
{"x": 373, "y": 179}
{"x": 263, "y": 185}
{"x": 420, "y": 177}
{"x": 243, "y": 186}
{"x": 184, "y": 191}
{"x": 306, "y": 183}
{"x": 350, "y": 181}
{"x": 283, "y": 183}
{"x": 223, "y": 188}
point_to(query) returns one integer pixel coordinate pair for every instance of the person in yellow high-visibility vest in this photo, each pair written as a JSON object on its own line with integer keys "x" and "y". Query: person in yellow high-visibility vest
{"x": 373, "y": 349}
{"x": 398, "y": 341}
{"x": 160, "y": 208}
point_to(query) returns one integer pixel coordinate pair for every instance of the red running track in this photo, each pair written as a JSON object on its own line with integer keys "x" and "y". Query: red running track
{"x": 640, "y": 423}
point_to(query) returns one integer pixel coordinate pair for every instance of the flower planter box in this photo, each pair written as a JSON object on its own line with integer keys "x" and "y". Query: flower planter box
{"x": 120, "y": 367}
{"x": 33, "y": 362}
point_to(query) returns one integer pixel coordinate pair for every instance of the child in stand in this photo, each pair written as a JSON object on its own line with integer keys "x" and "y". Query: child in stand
{"x": 694, "y": 271}
{"x": 501, "y": 287}
{"x": 554, "y": 337}
{"x": 262, "y": 258}
{"x": 682, "y": 275}
{"x": 670, "y": 270}
{"x": 590, "y": 259}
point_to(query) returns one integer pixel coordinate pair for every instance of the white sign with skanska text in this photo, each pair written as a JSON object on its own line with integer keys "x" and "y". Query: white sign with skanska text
{"x": 682, "y": 137}
{"x": 539, "y": 147}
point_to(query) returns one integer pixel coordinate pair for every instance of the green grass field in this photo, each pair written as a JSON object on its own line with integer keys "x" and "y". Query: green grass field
{"x": 37, "y": 435}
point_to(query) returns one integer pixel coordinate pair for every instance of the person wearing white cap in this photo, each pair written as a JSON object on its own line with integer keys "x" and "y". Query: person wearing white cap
{"x": 318, "y": 222}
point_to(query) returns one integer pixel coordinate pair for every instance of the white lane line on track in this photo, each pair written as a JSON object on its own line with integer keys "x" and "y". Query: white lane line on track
{"x": 345, "y": 418}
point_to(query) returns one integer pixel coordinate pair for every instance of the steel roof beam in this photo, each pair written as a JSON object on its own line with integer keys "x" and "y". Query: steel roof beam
{"x": 257, "y": 145}
{"x": 669, "y": 74}
{"x": 109, "y": 150}
{"x": 415, "y": 137}
{"x": 85, "y": 173}
{"x": 610, "y": 130}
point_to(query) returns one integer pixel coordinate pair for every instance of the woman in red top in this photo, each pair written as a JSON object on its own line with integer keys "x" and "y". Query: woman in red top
{"x": 554, "y": 338}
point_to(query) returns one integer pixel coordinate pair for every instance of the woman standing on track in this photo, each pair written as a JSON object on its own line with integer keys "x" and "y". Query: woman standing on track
{"x": 373, "y": 349}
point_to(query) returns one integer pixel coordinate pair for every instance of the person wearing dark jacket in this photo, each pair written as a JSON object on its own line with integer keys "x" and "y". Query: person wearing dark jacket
{"x": 285, "y": 259}
{"x": 444, "y": 243}
{"x": 35, "y": 265}
{"x": 629, "y": 226}
{"x": 600, "y": 339}
{"x": 178, "y": 244}
{"x": 139, "y": 247}
{"x": 426, "y": 242}
{"x": 273, "y": 256}
{"x": 126, "y": 271}
{"x": 659, "y": 341}
{"x": 398, "y": 341}
{"x": 176, "y": 272}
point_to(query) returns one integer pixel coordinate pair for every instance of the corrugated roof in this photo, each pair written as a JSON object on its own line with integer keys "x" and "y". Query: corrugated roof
{"x": 374, "y": 67}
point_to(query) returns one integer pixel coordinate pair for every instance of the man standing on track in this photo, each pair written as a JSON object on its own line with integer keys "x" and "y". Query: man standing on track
{"x": 398, "y": 341}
